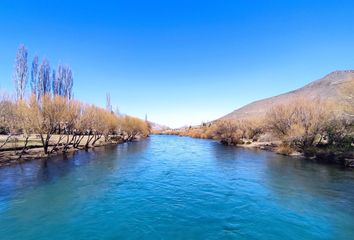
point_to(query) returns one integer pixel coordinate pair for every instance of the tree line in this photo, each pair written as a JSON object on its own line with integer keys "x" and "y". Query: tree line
{"x": 50, "y": 110}
{"x": 43, "y": 79}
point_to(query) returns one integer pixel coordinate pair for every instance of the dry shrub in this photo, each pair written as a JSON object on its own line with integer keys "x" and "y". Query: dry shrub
{"x": 284, "y": 149}
{"x": 300, "y": 124}
{"x": 251, "y": 128}
{"x": 228, "y": 132}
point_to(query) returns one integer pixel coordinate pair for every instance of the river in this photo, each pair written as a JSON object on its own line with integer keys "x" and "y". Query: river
{"x": 169, "y": 187}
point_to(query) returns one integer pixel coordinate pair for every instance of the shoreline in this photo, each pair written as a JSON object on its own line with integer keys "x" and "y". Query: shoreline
{"x": 10, "y": 156}
{"x": 321, "y": 157}
{"x": 341, "y": 159}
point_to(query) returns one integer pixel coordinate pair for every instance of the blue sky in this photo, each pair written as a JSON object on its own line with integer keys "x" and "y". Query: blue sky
{"x": 181, "y": 62}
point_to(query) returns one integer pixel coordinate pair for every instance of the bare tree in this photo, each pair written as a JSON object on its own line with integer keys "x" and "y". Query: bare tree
{"x": 68, "y": 83}
{"x": 108, "y": 102}
{"x": 133, "y": 127}
{"x": 116, "y": 111}
{"x": 48, "y": 117}
{"x": 21, "y": 71}
{"x": 34, "y": 75}
{"x": 7, "y": 119}
{"x": 24, "y": 124}
{"x": 57, "y": 81}
{"x": 63, "y": 82}
{"x": 54, "y": 82}
{"x": 43, "y": 84}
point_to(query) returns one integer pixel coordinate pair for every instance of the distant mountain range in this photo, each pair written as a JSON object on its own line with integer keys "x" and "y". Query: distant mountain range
{"x": 324, "y": 88}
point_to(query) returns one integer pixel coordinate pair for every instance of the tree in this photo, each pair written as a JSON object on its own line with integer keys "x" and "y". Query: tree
{"x": 133, "y": 127}
{"x": 24, "y": 123}
{"x": 54, "y": 87}
{"x": 7, "y": 119}
{"x": 43, "y": 84}
{"x": 63, "y": 82}
{"x": 48, "y": 115}
{"x": 34, "y": 75}
{"x": 116, "y": 111}
{"x": 68, "y": 83}
{"x": 21, "y": 71}
{"x": 57, "y": 81}
{"x": 72, "y": 118}
{"x": 91, "y": 124}
{"x": 108, "y": 102}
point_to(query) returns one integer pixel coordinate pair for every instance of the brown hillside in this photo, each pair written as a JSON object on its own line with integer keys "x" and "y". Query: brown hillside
{"x": 324, "y": 88}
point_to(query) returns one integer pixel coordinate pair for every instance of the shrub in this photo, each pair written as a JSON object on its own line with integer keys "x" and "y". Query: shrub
{"x": 228, "y": 132}
{"x": 284, "y": 149}
{"x": 298, "y": 124}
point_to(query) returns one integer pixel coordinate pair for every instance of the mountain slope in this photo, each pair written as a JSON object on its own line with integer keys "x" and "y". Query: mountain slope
{"x": 155, "y": 127}
{"x": 324, "y": 88}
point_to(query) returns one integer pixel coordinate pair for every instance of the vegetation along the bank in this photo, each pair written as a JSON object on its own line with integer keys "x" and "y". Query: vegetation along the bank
{"x": 314, "y": 128}
{"x": 48, "y": 120}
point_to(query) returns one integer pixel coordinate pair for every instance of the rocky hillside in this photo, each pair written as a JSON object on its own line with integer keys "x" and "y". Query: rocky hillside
{"x": 324, "y": 88}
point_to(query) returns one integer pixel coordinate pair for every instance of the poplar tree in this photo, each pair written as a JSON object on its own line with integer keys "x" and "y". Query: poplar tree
{"x": 43, "y": 84}
{"x": 20, "y": 72}
{"x": 34, "y": 75}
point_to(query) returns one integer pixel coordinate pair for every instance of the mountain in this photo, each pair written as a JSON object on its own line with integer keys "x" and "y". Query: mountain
{"x": 324, "y": 88}
{"x": 155, "y": 127}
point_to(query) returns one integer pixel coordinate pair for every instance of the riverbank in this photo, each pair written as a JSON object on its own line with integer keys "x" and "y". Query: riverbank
{"x": 13, "y": 152}
{"x": 322, "y": 155}
{"x": 345, "y": 159}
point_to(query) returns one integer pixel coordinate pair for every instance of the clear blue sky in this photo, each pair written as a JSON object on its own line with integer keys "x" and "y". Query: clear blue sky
{"x": 181, "y": 62}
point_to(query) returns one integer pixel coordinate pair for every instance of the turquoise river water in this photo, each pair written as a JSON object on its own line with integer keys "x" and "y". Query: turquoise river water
{"x": 169, "y": 187}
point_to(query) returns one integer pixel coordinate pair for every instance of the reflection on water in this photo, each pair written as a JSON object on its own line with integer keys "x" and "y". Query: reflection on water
{"x": 44, "y": 171}
{"x": 169, "y": 187}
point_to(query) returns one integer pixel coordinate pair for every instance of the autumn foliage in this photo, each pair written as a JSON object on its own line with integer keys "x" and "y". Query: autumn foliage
{"x": 51, "y": 116}
{"x": 73, "y": 123}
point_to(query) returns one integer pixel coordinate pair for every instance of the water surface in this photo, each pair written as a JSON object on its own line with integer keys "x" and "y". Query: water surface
{"x": 169, "y": 187}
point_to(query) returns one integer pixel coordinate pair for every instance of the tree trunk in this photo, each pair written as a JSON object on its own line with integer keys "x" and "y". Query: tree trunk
{"x": 78, "y": 141}
{"x": 66, "y": 145}
{"x": 24, "y": 147}
{"x": 57, "y": 144}
{"x": 7, "y": 139}
{"x": 97, "y": 137}
{"x": 45, "y": 142}
{"x": 89, "y": 138}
